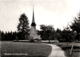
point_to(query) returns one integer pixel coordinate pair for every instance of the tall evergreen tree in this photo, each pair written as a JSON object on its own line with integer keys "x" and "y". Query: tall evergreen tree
{"x": 23, "y": 26}
{"x": 76, "y": 27}
{"x": 0, "y": 35}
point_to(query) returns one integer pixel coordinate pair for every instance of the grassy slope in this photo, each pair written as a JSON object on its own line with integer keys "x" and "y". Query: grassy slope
{"x": 33, "y": 49}
{"x": 67, "y": 47}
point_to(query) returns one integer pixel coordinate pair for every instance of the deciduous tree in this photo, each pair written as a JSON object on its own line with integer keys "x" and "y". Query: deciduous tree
{"x": 23, "y": 26}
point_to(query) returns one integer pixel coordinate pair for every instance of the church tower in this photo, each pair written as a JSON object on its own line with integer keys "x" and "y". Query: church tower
{"x": 33, "y": 32}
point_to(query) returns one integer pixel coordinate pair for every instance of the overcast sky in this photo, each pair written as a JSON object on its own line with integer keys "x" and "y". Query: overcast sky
{"x": 58, "y": 13}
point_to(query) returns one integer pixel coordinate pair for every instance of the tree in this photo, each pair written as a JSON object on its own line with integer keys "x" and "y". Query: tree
{"x": 76, "y": 27}
{"x": 23, "y": 26}
{"x": 0, "y": 35}
{"x": 58, "y": 35}
{"x": 47, "y": 32}
{"x": 68, "y": 35}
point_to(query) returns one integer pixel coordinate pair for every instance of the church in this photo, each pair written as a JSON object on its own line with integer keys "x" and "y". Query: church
{"x": 33, "y": 32}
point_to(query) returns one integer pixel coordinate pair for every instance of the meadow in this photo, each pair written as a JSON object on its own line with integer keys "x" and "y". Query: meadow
{"x": 36, "y": 49}
{"x": 31, "y": 49}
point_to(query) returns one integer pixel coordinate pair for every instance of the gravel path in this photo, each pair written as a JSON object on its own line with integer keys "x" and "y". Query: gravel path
{"x": 56, "y": 51}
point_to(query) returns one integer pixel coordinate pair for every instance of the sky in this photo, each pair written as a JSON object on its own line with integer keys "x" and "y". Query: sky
{"x": 58, "y": 13}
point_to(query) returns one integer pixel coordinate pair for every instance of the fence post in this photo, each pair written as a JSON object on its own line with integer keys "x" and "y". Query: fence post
{"x": 71, "y": 50}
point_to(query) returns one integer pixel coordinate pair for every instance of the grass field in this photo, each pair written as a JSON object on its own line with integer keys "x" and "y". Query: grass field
{"x": 31, "y": 49}
{"x": 37, "y": 49}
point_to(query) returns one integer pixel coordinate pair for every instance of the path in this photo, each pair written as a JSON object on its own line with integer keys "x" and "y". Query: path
{"x": 56, "y": 51}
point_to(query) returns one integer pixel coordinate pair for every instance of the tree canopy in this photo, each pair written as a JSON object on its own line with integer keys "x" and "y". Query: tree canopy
{"x": 23, "y": 26}
{"x": 76, "y": 27}
{"x": 47, "y": 32}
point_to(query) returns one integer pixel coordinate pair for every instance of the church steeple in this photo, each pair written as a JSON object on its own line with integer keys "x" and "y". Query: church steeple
{"x": 33, "y": 32}
{"x": 33, "y": 20}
